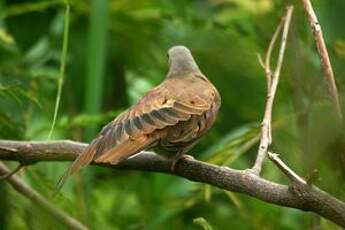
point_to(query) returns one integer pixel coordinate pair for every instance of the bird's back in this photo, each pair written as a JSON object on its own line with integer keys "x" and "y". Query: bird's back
{"x": 196, "y": 91}
{"x": 172, "y": 116}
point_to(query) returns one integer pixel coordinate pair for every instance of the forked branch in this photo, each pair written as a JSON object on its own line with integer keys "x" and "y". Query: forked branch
{"x": 242, "y": 181}
{"x": 272, "y": 84}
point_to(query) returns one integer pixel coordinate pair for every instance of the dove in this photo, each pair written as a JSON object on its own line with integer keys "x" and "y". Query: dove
{"x": 170, "y": 119}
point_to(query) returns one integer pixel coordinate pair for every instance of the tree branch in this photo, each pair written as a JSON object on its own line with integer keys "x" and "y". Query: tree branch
{"x": 9, "y": 174}
{"x": 20, "y": 186}
{"x": 242, "y": 181}
{"x": 272, "y": 84}
{"x": 285, "y": 169}
{"x": 323, "y": 54}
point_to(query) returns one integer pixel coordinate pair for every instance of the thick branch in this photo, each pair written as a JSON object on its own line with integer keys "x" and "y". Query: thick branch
{"x": 242, "y": 181}
{"x": 19, "y": 185}
{"x": 323, "y": 54}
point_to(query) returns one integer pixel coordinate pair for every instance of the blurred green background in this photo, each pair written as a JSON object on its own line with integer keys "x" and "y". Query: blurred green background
{"x": 116, "y": 52}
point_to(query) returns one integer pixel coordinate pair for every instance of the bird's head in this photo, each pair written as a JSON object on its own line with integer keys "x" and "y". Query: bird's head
{"x": 181, "y": 61}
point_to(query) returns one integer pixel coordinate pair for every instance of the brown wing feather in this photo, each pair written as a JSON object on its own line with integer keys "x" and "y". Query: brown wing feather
{"x": 126, "y": 149}
{"x": 126, "y": 135}
{"x": 137, "y": 128}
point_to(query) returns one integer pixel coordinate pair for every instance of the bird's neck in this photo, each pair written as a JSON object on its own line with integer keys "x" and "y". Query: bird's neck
{"x": 183, "y": 66}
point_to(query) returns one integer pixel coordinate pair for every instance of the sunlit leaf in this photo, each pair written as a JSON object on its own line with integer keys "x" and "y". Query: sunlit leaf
{"x": 202, "y": 222}
{"x": 6, "y": 37}
{"x": 207, "y": 192}
{"x": 38, "y": 51}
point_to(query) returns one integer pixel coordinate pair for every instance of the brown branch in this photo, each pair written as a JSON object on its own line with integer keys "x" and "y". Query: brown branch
{"x": 272, "y": 84}
{"x": 9, "y": 174}
{"x": 242, "y": 181}
{"x": 285, "y": 169}
{"x": 20, "y": 186}
{"x": 324, "y": 58}
{"x": 267, "y": 65}
{"x": 299, "y": 186}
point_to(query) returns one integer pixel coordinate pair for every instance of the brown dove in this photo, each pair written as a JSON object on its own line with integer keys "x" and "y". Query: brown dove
{"x": 170, "y": 118}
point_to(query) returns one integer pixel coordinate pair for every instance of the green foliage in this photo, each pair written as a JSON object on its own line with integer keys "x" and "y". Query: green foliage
{"x": 95, "y": 60}
{"x": 203, "y": 223}
{"x": 116, "y": 52}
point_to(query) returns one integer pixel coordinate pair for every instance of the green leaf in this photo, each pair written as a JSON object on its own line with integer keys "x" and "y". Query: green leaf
{"x": 230, "y": 147}
{"x": 6, "y": 37}
{"x": 207, "y": 192}
{"x": 202, "y": 222}
{"x": 95, "y": 60}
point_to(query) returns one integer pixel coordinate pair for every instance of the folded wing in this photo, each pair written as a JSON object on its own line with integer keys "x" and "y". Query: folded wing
{"x": 138, "y": 128}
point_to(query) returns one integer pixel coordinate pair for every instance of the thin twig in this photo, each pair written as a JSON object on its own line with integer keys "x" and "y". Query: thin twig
{"x": 242, "y": 181}
{"x": 261, "y": 62}
{"x": 268, "y": 72}
{"x": 17, "y": 169}
{"x": 285, "y": 169}
{"x": 20, "y": 186}
{"x": 324, "y": 58}
{"x": 269, "y": 54}
{"x": 272, "y": 83}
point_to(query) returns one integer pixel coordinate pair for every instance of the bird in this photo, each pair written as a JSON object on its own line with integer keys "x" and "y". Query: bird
{"x": 169, "y": 119}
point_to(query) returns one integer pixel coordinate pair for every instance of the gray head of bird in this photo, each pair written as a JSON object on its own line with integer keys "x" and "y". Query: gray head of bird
{"x": 181, "y": 61}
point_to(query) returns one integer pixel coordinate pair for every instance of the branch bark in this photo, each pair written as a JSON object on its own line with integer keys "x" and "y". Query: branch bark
{"x": 324, "y": 57}
{"x": 243, "y": 181}
{"x": 20, "y": 186}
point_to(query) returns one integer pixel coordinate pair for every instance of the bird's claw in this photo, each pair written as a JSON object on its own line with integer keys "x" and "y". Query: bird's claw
{"x": 181, "y": 157}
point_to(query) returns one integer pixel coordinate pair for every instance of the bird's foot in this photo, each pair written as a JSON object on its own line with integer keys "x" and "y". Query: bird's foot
{"x": 178, "y": 158}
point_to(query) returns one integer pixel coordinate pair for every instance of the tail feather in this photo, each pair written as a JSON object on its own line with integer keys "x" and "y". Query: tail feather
{"x": 113, "y": 155}
{"x": 61, "y": 182}
{"x": 82, "y": 160}
{"x": 125, "y": 150}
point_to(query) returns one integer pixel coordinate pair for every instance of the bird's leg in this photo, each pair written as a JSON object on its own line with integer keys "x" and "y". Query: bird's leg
{"x": 179, "y": 156}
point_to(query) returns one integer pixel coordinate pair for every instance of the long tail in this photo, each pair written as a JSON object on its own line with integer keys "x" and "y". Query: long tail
{"x": 114, "y": 155}
{"x": 82, "y": 160}
{"x": 125, "y": 150}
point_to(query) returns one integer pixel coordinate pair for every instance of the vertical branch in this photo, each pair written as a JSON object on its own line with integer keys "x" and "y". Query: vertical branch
{"x": 324, "y": 58}
{"x": 62, "y": 67}
{"x": 273, "y": 80}
{"x": 20, "y": 186}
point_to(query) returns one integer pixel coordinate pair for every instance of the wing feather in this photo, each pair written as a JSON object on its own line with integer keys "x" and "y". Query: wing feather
{"x": 128, "y": 132}
{"x": 146, "y": 117}
{"x": 125, "y": 150}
